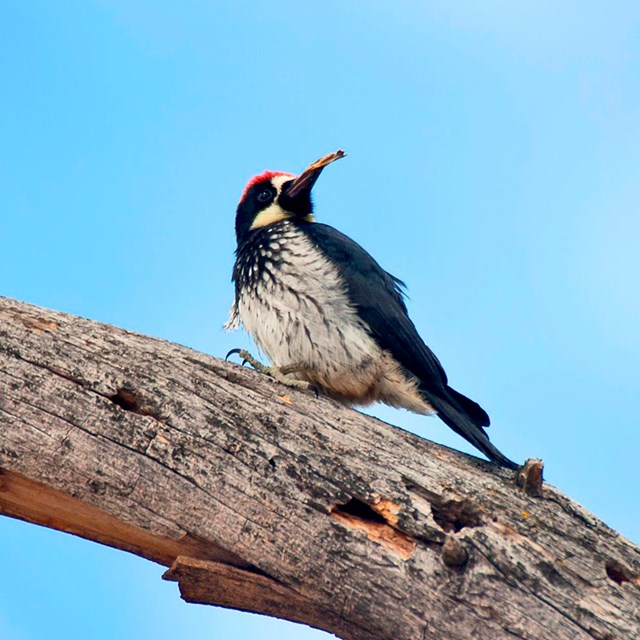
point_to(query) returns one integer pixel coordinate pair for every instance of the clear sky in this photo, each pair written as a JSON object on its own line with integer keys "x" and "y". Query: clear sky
{"x": 494, "y": 160}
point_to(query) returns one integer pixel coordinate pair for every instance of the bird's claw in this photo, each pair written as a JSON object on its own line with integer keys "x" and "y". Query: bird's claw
{"x": 231, "y": 353}
{"x": 246, "y": 357}
{"x": 274, "y": 372}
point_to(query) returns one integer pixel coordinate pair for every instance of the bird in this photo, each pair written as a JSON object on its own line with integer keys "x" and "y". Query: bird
{"x": 328, "y": 316}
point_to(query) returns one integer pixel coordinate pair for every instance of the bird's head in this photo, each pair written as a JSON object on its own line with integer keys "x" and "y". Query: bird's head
{"x": 273, "y": 196}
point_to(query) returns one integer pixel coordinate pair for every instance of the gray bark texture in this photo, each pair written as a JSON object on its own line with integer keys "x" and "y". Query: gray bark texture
{"x": 266, "y": 499}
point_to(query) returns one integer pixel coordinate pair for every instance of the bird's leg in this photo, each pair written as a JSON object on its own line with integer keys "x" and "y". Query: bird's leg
{"x": 281, "y": 374}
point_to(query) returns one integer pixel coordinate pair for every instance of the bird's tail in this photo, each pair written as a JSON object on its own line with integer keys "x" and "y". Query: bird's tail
{"x": 467, "y": 418}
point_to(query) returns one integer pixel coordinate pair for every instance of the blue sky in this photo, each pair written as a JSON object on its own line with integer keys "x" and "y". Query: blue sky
{"x": 493, "y": 165}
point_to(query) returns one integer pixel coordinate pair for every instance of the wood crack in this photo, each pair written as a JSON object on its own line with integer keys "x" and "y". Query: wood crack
{"x": 566, "y": 614}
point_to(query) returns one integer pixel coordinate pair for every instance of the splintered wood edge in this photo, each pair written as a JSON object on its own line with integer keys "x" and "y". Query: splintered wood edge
{"x": 206, "y": 574}
{"x": 217, "y": 583}
{"x": 26, "y": 499}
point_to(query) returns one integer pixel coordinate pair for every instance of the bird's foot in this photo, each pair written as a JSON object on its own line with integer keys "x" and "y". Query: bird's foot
{"x": 281, "y": 374}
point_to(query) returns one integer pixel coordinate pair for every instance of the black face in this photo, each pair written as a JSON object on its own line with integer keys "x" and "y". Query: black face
{"x": 258, "y": 198}
{"x": 262, "y": 195}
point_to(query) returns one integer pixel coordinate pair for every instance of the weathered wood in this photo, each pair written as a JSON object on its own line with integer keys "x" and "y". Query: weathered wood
{"x": 267, "y": 499}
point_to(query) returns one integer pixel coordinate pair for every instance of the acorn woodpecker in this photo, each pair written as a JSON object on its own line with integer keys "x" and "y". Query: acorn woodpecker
{"x": 328, "y": 316}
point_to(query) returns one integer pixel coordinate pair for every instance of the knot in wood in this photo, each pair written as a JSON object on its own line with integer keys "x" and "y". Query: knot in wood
{"x": 453, "y": 552}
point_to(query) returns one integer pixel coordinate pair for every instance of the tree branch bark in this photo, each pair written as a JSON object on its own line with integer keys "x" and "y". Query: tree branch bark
{"x": 265, "y": 499}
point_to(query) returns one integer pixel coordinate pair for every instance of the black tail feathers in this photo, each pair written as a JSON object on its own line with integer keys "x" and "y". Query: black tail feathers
{"x": 476, "y": 413}
{"x": 467, "y": 418}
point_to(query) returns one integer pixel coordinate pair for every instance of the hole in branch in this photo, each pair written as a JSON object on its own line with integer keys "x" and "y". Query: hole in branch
{"x": 358, "y": 509}
{"x": 130, "y": 400}
{"x": 619, "y": 573}
{"x": 357, "y": 514}
{"x": 455, "y": 515}
{"x": 126, "y": 399}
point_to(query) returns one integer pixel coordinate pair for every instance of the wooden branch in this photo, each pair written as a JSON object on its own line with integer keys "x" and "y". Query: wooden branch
{"x": 266, "y": 499}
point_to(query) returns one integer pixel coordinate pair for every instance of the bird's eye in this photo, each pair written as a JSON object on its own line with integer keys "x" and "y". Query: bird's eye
{"x": 265, "y": 196}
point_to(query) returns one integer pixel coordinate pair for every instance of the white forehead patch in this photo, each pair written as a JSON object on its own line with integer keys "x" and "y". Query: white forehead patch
{"x": 278, "y": 181}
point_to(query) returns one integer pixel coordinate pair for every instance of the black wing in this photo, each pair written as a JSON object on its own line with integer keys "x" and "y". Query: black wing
{"x": 378, "y": 296}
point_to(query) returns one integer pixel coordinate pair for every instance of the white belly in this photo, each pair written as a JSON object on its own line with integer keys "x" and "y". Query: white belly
{"x": 301, "y": 315}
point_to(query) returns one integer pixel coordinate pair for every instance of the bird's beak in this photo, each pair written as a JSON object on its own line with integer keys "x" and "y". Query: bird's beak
{"x": 305, "y": 181}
